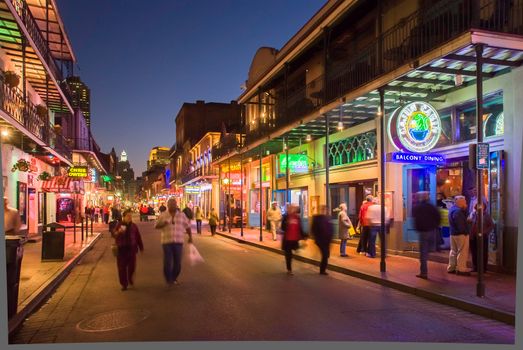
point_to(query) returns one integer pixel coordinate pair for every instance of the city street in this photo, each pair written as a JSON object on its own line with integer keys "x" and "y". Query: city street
{"x": 239, "y": 293}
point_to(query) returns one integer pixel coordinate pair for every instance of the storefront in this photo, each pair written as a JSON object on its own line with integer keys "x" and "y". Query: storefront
{"x": 69, "y": 194}
{"x": 259, "y": 191}
{"x": 428, "y": 150}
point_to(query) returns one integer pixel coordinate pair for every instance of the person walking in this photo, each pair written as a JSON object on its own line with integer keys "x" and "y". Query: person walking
{"x": 488, "y": 226}
{"x": 292, "y": 234}
{"x": 188, "y": 213}
{"x": 106, "y": 214}
{"x": 116, "y": 213}
{"x": 173, "y": 224}
{"x": 274, "y": 216}
{"x": 323, "y": 231}
{"x": 12, "y": 220}
{"x": 198, "y": 216}
{"x": 129, "y": 241}
{"x": 426, "y": 222}
{"x": 364, "y": 226}
{"x": 344, "y": 224}
{"x": 459, "y": 240}
{"x": 213, "y": 221}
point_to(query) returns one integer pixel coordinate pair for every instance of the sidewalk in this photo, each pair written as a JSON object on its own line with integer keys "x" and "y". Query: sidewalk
{"x": 39, "y": 279}
{"x": 458, "y": 291}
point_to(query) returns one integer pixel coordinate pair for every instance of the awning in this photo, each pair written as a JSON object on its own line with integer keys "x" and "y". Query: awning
{"x": 63, "y": 184}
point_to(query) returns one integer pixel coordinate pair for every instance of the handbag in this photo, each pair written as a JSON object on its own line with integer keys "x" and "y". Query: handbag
{"x": 352, "y": 232}
{"x": 114, "y": 249}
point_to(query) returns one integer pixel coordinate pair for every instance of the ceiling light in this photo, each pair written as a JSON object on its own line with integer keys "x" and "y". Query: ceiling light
{"x": 5, "y": 132}
{"x": 340, "y": 125}
{"x": 309, "y": 137}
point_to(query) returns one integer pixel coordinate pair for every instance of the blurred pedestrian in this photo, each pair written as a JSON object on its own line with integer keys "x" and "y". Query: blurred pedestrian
{"x": 12, "y": 220}
{"x": 198, "y": 216}
{"x": 274, "y": 216}
{"x": 116, "y": 213}
{"x": 322, "y": 230}
{"x": 128, "y": 240}
{"x": 174, "y": 225}
{"x": 344, "y": 224}
{"x": 213, "y": 221}
{"x": 364, "y": 226}
{"x": 188, "y": 213}
{"x": 488, "y": 226}
{"x": 96, "y": 213}
{"x": 459, "y": 240}
{"x": 292, "y": 234}
{"x": 162, "y": 208}
{"x": 106, "y": 213}
{"x": 373, "y": 218}
{"x": 426, "y": 222}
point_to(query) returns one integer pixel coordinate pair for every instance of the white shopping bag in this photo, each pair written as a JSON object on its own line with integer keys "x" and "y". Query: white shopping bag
{"x": 194, "y": 255}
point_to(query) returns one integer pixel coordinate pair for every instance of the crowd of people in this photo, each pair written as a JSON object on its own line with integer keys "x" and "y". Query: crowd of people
{"x": 174, "y": 223}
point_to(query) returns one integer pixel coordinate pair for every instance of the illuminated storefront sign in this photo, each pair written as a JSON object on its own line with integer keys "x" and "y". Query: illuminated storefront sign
{"x": 93, "y": 175}
{"x": 405, "y": 157}
{"x": 298, "y": 163}
{"x": 192, "y": 189}
{"x": 78, "y": 172}
{"x": 416, "y": 127}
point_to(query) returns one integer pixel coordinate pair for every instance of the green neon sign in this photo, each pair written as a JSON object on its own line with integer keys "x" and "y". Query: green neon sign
{"x": 298, "y": 163}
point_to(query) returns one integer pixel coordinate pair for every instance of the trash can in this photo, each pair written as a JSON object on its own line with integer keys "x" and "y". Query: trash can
{"x": 14, "y": 252}
{"x": 53, "y": 242}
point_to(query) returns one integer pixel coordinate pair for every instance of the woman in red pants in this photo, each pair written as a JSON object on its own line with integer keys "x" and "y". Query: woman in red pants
{"x": 128, "y": 240}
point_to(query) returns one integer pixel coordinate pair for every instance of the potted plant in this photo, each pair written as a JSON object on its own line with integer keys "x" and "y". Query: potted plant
{"x": 44, "y": 176}
{"x": 22, "y": 165}
{"x": 11, "y": 79}
{"x": 42, "y": 112}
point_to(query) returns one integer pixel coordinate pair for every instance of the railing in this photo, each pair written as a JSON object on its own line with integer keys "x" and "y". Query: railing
{"x": 193, "y": 175}
{"x": 228, "y": 144}
{"x": 25, "y": 113}
{"x": 415, "y": 35}
{"x": 30, "y": 24}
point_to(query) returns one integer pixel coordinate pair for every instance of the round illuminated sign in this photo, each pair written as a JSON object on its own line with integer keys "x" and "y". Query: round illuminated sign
{"x": 417, "y": 127}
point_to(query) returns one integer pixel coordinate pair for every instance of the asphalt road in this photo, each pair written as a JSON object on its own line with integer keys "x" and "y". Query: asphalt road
{"x": 240, "y": 293}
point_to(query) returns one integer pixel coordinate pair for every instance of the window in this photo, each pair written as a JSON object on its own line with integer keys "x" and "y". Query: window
{"x": 466, "y": 118}
{"x": 446, "y": 129}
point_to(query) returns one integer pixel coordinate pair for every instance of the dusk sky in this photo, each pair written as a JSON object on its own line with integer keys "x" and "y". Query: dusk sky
{"x": 142, "y": 59}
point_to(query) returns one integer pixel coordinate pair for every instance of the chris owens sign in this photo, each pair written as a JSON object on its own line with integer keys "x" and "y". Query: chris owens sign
{"x": 416, "y": 127}
{"x": 78, "y": 172}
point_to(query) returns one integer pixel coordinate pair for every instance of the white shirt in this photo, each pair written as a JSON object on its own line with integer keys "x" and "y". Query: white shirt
{"x": 374, "y": 215}
{"x": 12, "y": 221}
{"x": 175, "y": 229}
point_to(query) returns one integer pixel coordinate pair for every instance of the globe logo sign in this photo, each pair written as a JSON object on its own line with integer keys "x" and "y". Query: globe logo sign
{"x": 417, "y": 127}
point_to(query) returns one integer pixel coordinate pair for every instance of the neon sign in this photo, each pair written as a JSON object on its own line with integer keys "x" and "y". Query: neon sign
{"x": 406, "y": 157}
{"x": 416, "y": 127}
{"x": 298, "y": 163}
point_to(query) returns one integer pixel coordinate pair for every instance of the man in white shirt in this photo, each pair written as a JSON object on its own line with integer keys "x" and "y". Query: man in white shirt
{"x": 173, "y": 224}
{"x": 373, "y": 218}
{"x": 12, "y": 221}
{"x": 274, "y": 216}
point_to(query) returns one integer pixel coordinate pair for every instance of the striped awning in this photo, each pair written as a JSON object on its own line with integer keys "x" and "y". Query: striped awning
{"x": 63, "y": 184}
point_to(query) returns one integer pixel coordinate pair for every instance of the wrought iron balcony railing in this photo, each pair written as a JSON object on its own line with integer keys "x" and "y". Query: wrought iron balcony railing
{"x": 26, "y": 114}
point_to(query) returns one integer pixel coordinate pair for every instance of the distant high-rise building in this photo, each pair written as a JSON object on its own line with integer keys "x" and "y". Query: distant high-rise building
{"x": 158, "y": 156}
{"x": 123, "y": 156}
{"x": 81, "y": 97}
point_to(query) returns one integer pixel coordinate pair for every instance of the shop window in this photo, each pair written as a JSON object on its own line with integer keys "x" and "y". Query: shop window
{"x": 353, "y": 149}
{"x": 494, "y": 125}
{"x": 466, "y": 118}
{"x": 446, "y": 129}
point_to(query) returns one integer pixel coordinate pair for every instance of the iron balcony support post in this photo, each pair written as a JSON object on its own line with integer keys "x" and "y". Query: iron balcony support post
{"x": 480, "y": 287}
{"x": 327, "y": 164}
{"x": 261, "y": 195}
{"x": 383, "y": 265}
{"x": 287, "y": 172}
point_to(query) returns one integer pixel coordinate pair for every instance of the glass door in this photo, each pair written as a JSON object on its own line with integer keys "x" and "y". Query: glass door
{"x": 415, "y": 179}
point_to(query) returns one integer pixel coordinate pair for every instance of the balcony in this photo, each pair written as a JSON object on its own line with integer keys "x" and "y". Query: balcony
{"x": 228, "y": 144}
{"x": 25, "y": 116}
{"x": 415, "y": 35}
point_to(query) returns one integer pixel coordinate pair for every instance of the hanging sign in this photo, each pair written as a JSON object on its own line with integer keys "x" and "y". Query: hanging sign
{"x": 78, "y": 172}
{"x": 192, "y": 189}
{"x": 298, "y": 163}
{"x": 406, "y": 157}
{"x": 416, "y": 127}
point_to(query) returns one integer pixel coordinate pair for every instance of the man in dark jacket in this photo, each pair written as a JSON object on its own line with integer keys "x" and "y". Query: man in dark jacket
{"x": 459, "y": 240}
{"x": 322, "y": 230}
{"x": 426, "y": 221}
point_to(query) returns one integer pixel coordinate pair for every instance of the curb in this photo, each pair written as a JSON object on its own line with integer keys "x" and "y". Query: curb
{"x": 495, "y": 314}
{"x": 42, "y": 293}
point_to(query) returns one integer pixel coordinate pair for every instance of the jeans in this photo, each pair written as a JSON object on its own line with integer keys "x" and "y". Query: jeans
{"x": 213, "y": 229}
{"x": 288, "y": 247}
{"x": 426, "y": 240}
{"x": 325, "y": 253}
{"x": 364, "y": 239}
{"x": 199, "y": 226}
{"x": 172, "y": 261}
{"x": 343, "y": 247}
{"x": 371, "y": 250}
{"x": 474, "y": 242}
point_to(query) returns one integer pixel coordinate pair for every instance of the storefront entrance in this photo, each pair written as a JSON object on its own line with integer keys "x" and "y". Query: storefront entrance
{"x": 416, "y": 178}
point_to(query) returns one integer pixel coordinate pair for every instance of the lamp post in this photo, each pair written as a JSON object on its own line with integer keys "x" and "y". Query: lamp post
{"x": 3, "y": 133}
